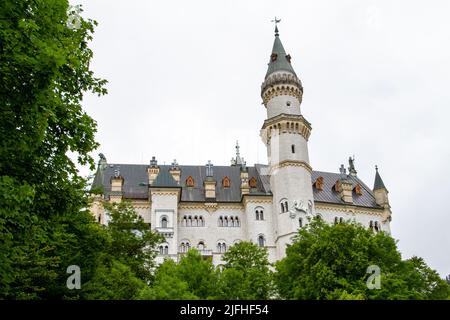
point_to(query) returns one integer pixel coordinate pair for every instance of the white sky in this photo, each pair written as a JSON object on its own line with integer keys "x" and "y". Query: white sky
{"x": 184, "y": 82}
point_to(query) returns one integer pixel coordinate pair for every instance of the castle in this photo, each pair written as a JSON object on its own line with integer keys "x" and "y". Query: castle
{"x": 212, "y": 207}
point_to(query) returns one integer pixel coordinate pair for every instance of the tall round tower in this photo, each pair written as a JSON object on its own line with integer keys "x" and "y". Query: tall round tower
{"x": 285, "y": 134}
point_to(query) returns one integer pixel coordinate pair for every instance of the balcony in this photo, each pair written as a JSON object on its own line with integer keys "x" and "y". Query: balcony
{"x": 166, "y": 232}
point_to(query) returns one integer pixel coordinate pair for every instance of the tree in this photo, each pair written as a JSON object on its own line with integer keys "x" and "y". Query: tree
{"x": 132, "y": 241}
{"x": 246, "y": 273}
{"x": 44, "y": 224}
{"x": 167, "y": 285}
{"x": 330, "y": 262}
{"x": 199, "y": 274}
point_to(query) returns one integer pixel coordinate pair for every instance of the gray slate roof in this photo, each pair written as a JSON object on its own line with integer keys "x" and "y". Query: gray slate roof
{"x": 281, "y": 63}
{"x": 379, "y": 184}
{"x": 135, "y": 175}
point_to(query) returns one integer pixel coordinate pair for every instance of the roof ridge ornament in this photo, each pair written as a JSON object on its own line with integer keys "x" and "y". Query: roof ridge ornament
{"x": 276, "y": 21}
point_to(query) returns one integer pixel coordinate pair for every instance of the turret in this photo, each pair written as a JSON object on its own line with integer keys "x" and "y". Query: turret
{"x": 285, "y": 133}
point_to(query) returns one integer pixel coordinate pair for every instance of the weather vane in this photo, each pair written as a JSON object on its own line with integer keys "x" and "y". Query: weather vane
{"x": 275, "y": 20}
{"x": 276, "y": 28}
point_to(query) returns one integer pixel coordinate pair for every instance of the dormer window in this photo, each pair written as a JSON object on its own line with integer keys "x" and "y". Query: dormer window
{"x": 273, "y": 56}
{"x": 358, "y": 189}
{"x": 226, "y": 182}
{"x": 189, "y": 181}
{"x": 318, "y": 184}
{"x": 252, "y": 182}
{"x": 288, "y": 58}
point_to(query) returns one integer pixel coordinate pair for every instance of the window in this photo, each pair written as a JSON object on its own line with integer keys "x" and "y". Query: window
{"x": 195, "y": 222}
{"x": 284, "y": 206}
{"x": 189, "y": 222}
{"x": 99, "y": 218}
{"x": 377, "y": 226}
{"x": 336, "y": 220}
{"x": 185, "y": 246}
{"x": 164, "y": 222}
{"x": 184, "y": 221}
{"x": 221, "y": 247}
{"x": 164, "y": 249}
{"x": 293, "y": 148}
{"x": 201, "y": 222}
{"x": 319, "y": 183}
{"x": 341, "y": 220}
{"x": 259, "y": 213}
{"x": 189, "y": 181}
{"x": 300, "y": 222}
{"x": 201, "y": 245}
{"x": 252, "y": 182}
{"x": 220, "y": 221}
{"x": 226, "y": 182}
{"x": 261, "y": 241}
{"x": 237, "y": 222}
{"x": 371, "y": 225}
{"x": 225, "y": 222}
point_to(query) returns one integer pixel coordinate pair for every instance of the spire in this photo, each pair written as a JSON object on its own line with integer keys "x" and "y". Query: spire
{"x": 379, "y": 184}
{"x": 279, "y": 60}
{"x": 238, "y": 161}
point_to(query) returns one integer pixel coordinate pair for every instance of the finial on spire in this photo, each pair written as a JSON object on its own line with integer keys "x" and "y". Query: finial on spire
{"x": 276, "y": 21}
{"x": 376, "y": 168}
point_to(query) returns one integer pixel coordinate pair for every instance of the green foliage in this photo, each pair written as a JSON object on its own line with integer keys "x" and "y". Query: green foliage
{"x": 113, "y": 281}
{"x": 330, "y": 262}
{"x": 167, "y": 285}
{"x": 246, "y": 273}
{"x": 199, "y": 274}
{"x": 132, "y": 241}
{"x": 44, "y": 69}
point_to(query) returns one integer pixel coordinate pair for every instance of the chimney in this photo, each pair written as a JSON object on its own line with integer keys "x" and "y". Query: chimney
{"x": 152, "y": 170}
{"x": 245, "y": 187}
{"x": 116, "y": 186}
{"x": 175, "y": 171}
{"x": 344, "y": 186}
{"x": 209, "y": 183}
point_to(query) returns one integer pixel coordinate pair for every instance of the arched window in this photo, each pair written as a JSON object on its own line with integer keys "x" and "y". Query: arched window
{"x": 371, "y": 225}
{"x": 99, "y": 219}
{"x": 164, "y": 222}
{"x": 189, "y": 222}
{"x": 201, "y": 222}
{"x": 225, "y": 222}
{"x": 161, "y": 250}
{"x": 236, "y": 222}
{"x": 231, "y": 224}
{"x": 377, "y": 226}
{"x": 166, "y": 249}
{"x": 259, "y": 214}
{"x": 252, "y": 182}
{"x": 226, "y": 182}
{"x": 182, "y": 247}
{"x": 300, "y": 222}
{"x": 341, "y": 220}
{"x": 184, "y": 221}
{"x": 189, "y": 182}
{"x": 220, "y": 221}
{"x": 293, "y": 148}
{"x": 221, "y": 247}
{"x": 201, "y": 245}
{"x": 284, "y": 206}
{"x": 261, "y": 241}
{"x": 335, "y": 220}
{"x": 195, "y": 221}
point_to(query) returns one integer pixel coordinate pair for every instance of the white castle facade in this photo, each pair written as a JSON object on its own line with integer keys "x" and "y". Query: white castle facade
{"x": 213, "y": 207}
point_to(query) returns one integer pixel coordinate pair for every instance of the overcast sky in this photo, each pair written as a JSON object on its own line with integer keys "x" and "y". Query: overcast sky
{"x": 184, "y": 83}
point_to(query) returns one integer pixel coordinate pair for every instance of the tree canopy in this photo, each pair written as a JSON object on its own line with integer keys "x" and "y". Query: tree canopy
{"x": 331, "y": 262}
